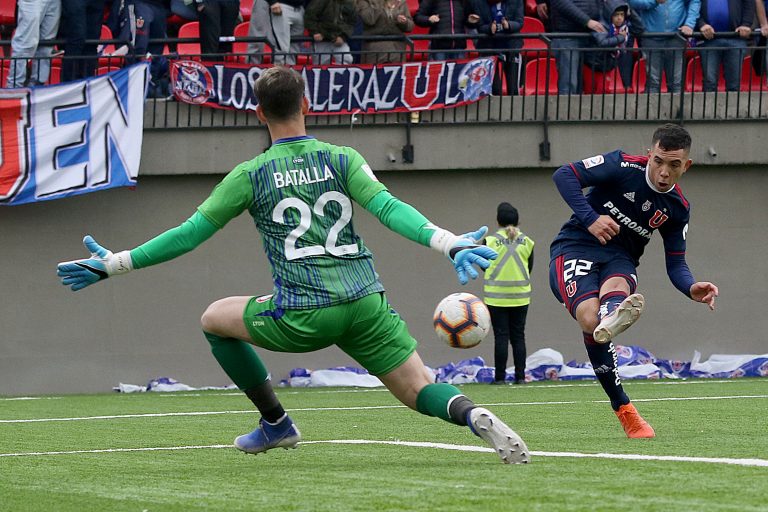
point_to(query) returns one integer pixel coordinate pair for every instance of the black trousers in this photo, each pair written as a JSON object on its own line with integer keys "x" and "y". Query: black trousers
{"x": 218, "y": 18}
{"x": 509, "y": 328}
{"x": 80, "y": 20}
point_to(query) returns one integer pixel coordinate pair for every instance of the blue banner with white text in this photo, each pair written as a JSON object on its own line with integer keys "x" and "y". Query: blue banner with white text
{"x": 352, "y": 89}
{"x": 71, "y": 138}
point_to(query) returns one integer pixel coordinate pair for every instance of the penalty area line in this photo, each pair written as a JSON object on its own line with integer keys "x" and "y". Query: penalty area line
{"x": 417, "y": 444}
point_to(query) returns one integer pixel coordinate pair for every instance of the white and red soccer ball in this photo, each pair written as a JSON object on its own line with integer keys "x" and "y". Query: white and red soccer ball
{"x": 462, "y": 320}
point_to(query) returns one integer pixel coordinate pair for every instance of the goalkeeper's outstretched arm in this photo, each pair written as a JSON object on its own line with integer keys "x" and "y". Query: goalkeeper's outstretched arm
{"x": 103, "y": 263}
{"x": 462, "y": 250}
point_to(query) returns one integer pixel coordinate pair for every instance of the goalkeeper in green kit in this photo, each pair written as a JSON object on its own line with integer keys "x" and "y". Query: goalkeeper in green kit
{"x": 326, "y": 291}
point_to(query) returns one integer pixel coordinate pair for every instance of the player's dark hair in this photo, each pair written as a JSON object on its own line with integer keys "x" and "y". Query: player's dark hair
{"x": 506, "y": 215}
{"x": 279, "y": 91}
{"x": 672, "y": 137}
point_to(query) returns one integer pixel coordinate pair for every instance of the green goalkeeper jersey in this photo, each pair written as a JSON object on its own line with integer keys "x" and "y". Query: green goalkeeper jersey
{"x": 299, "y": 193}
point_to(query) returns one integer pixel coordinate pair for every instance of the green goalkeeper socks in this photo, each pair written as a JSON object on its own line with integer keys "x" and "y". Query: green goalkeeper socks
{"x": 239, "y": 361}
{"x": 445, "y": 402}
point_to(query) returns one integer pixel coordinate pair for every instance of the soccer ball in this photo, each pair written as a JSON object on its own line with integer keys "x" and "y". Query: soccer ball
{"x": 462, "y": 320}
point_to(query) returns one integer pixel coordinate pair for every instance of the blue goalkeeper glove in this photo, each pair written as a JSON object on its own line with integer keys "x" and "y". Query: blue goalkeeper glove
{"x": 476, "y": 236}
{"x": 464, "y": 254}
{"x": 78, "y": 274}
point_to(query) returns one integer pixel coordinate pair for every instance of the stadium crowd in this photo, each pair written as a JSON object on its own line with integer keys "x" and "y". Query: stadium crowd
{"x": 559, "y": 46}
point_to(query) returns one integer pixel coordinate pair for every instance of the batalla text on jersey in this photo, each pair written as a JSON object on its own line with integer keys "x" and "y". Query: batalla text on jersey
{"x": 302, "y": 176}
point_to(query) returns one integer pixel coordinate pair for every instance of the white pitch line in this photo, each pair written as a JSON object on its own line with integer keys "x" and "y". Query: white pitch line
{"x": 538, "y": 385}
{"x": 21, "y": 398}
{"x": 361, "y": 408}
{"x": 441, "y": 446}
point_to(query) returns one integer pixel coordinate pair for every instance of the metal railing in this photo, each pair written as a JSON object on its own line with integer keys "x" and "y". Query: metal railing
{"x": 604, "y": 96}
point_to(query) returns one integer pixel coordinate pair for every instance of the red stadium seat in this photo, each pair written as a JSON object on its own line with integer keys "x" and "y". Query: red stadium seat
{"x": 55, "y": 77}
{"x": 533, "y": 48}
{"x": 421, "y": 46}
{"x": 694, "y": 77}
{"x": 4, "y": 71}
{"x": 530, "y": 8}
{"x": 240, "y": 50}
{"x": 245, "y": 9}
{"x": 7, "y": 12}
{"x": 472, "y": 52}
{"x": 108, "y": 49}
{"x": 596, "y": 82}
{"x": 413, "y": 6}
{"x": 103, "y": 70}
{"x": 189, "y": 30}
{"x": 751, "y": 81}
{"x": 536, "y": 77}
{"x": 639, "y": 78}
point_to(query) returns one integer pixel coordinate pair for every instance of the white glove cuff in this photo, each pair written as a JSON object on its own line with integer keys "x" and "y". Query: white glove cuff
{"x": 443, "y": 240}
{"x": 119, "y": 263}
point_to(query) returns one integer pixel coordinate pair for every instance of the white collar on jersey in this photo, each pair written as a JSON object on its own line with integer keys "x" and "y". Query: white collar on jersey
{"x": 650, "y": 184}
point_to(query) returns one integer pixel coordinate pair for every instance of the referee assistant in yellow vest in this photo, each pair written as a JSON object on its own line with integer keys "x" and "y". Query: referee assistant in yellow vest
{"x": 507, "y": 291}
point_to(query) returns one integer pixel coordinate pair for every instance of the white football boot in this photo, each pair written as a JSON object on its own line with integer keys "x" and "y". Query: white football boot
{"x": 506, "y": 443}
{"x": 621, "y": 319}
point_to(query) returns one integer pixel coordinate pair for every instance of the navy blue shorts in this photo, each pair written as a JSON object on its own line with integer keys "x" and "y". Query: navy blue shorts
{"x": 577, "y": 273}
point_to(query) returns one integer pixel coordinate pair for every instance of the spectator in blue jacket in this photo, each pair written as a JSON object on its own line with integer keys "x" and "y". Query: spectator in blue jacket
{"x": 718, "y": 16}
{"x": 573, "y": 16}
{"x": 622, "y": 26}
{"x": 665, "y": 54}
{"x": 497, "y": 18}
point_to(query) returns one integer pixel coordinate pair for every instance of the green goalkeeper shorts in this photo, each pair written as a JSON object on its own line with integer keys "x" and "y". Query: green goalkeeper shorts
{"x": 368, "y": 330}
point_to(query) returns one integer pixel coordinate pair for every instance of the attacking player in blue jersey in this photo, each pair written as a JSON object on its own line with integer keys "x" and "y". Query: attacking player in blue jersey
{"x": 595, "y": 255}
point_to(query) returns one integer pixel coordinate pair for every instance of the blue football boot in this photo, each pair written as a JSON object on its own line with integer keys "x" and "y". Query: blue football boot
{"x": 267, "y": 436}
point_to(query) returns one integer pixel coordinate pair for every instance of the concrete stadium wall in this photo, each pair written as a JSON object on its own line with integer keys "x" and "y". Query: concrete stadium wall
{"x": 136, "y": 327}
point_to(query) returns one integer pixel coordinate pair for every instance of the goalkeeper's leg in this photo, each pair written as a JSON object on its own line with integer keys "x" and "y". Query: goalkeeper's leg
{"x": 411, "y": 383}
{"x": 222, "y": 326}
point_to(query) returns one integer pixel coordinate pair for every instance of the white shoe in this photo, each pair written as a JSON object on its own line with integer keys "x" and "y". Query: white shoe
{"x": 505, "y": 441}
{"x": 621, "y": 319}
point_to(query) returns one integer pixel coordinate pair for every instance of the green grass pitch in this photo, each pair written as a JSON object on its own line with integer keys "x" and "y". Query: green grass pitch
{"x": 702, "y": 428}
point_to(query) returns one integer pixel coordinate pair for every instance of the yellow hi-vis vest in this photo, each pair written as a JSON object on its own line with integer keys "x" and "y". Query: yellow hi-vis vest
{"x": 507, "y": 280}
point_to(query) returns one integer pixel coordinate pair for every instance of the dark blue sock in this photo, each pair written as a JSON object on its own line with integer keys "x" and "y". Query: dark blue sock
{"x": 610, "y": 301}
{"x": 604, "y": 362}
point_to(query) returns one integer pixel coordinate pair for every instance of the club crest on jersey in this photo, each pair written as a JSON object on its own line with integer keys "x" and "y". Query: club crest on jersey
{"x": 593, "y": 161}
{"x": 646, "y": 206}
{"x": 570, "y": 289}
{"x": 658, "y": 219}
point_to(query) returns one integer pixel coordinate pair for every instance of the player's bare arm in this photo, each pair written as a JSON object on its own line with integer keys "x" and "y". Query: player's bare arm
{"x": 705, "y": 292}
{"x": 604, "y": 228}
